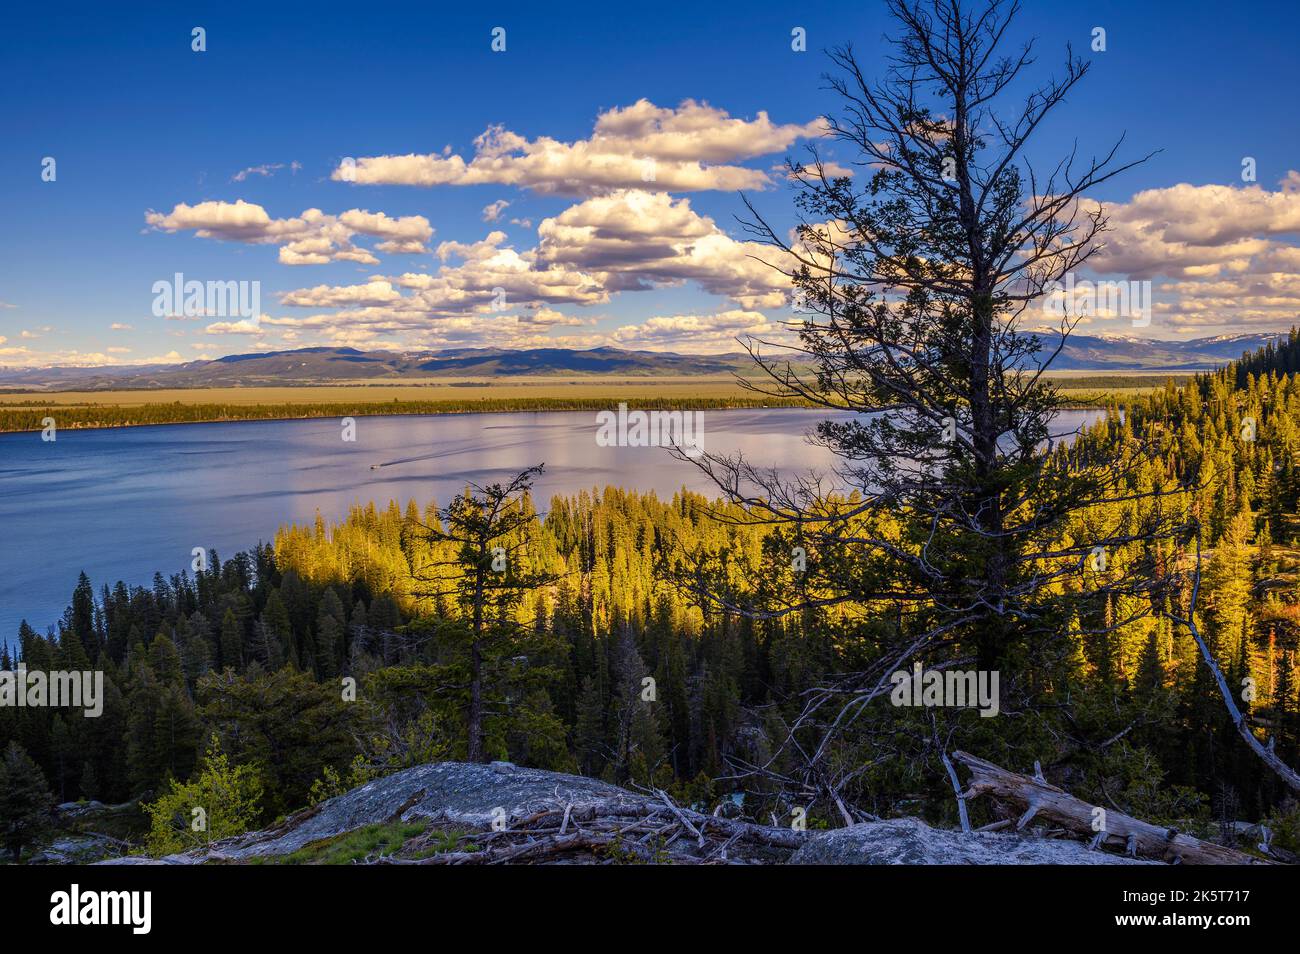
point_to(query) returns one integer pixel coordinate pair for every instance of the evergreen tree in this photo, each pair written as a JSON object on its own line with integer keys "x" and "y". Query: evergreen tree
{"x": 25, "y": 800}
{"x": 232, "y": 642}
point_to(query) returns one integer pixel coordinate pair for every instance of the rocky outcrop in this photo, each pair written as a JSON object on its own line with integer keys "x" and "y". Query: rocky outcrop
{"x": 504, "y": 814}
{"x": 910, "y": 841}
{"x": 76, "y": 850}
{"x": 90, "y": 831}
{"x": 451, "y": 793}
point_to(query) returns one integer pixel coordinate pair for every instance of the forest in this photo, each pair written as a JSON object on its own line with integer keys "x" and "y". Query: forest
{"x": 255, "y": 653}
{"x": 1133, "y": 590}
{"x": 36, "y": 417}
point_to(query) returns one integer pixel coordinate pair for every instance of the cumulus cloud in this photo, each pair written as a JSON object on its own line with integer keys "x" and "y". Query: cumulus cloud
{"x": 476, "y": 278}
{"x": 1169, "y": 231}
{"x": 1221, "y": 255}
{"x": 27, "y": 358}
{"x": 119, "y": 326}
{"x": 696, "y": 333}
{"x": 312, "y": 238}
{"x": 639, "y": 240}
{"x": 690, "y": 148}
{"x": 377, "y": 291}
{"x": 409, "y": 234}
{"x": 533, "y": 328}
{"x": 626, "y": 241}
{"x": 244, "y": 326}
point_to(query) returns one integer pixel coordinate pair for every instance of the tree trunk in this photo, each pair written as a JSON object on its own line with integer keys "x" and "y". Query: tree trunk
{"x": 1266, "y": 754}
{"x": 476, "y": 703}
{"x": 1039, "y": 799}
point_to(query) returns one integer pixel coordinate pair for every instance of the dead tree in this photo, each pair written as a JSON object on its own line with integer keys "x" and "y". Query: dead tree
{"x": 1264, "y": 750}
{"x": 1036, "y": 798}
{"x": 950, "y": 512}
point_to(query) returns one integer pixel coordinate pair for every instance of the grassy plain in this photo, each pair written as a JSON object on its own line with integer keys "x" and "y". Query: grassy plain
{"x": 26, "y": 410}
{"x": 457, "y": 390}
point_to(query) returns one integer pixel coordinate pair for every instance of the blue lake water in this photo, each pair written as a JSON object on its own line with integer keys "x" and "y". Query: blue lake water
{"x": 123, "y": 503}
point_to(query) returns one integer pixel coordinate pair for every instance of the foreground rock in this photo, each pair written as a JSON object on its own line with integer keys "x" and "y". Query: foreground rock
{"x": 448, "y": 793}
{"x": 910, "y": 841}
{"x": 76, "y": 850}
{"x": 90, "y": 831}
{"x": 500, "y": 813}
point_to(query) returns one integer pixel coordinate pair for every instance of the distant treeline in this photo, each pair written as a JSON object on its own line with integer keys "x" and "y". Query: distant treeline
{"x": 1120, "y": 382}
{"x": 70, "y": 416}
{"x": 74, "y": 416}
{"x": 1282, "y": 357}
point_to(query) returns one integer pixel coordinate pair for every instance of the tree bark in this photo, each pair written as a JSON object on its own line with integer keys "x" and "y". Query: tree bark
{"x": 1269, "y": 757}
{"x": 474, "y": 729}
{"x": 1042, "y": 800}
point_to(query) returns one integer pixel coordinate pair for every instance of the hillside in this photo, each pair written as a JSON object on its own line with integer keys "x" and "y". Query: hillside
{"x": 318, "y": 365}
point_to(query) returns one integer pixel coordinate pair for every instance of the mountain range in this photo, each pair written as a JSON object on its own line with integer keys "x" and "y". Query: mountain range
{"x": 1100, "y": 353}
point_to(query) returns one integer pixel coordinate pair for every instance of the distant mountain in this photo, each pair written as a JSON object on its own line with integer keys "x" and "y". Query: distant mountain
{"x": 320, "y": 365}
{"x": 1129, "y": 353}
{"x": 1102, "y": 353}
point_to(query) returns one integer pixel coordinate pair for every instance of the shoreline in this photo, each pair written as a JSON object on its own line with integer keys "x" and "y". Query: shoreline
{"x": 390, "y": 411}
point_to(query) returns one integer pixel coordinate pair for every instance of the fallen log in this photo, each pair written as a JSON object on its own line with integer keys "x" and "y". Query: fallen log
{"x": 1039, "y": 799}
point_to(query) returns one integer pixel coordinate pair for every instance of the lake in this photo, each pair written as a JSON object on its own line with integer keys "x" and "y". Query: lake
{"x": 122, "y": 503}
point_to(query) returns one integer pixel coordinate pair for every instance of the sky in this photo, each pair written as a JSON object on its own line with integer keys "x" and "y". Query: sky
{"x": 383, "y": 177}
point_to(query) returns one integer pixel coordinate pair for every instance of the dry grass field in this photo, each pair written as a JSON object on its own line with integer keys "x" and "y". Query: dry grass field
{"x": 1078, "y": 383}
{"x": 443, "y": 389}
{"x": 29, "y": 410}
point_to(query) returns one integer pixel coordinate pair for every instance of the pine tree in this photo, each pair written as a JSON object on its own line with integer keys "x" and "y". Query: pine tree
{"x": 276, "y": 625}
{"x": 484, "y": 538}
{"x": 25, "y": 800}
{"x": 232, "y": 642}
{"x": 331, "y": 624}
{"x": 89, "y": 781}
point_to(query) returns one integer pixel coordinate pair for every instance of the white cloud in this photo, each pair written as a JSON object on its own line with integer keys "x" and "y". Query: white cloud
{"x": 1220, "y": 256}
{"x": 312, "y": 238}
{"x": 680, "y": 150}
{"x": 242, "y": 327}
{"x": 26, "y": 358}
{"x": 267, "y": 170}
{"x": 622, "y": 242}
{"x": 696, "y": 333}
{"x": 377, "y": 291}
{"x": 639, "y": 240}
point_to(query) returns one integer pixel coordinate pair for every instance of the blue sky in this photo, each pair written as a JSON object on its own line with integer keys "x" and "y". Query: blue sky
{"x": 139, "y": 123}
